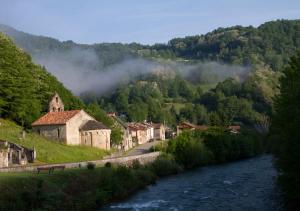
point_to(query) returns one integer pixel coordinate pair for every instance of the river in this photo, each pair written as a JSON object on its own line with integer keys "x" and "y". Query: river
{"x": 243, "y": 185}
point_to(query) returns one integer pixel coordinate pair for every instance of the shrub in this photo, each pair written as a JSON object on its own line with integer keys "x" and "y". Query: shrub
{"x": 136, "y": 164}
{"x": 189, "y": 150}
{"x": 165, "y": 165}
{"x": 226, "y": 146}
{"x": 159, "y": 147}
{"x": 90, "y": 166}
{"x": 108, "y": 165}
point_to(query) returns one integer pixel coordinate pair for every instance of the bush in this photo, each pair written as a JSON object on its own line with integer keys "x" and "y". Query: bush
{"x": 226, "y": 146}
{"x": 162, "y": 147}
{"x": 136, "y": 164}
{"x": 165, "y": 165}
{"x": 189, "y": 150}
{"x": 108, "y": 165}
{"x": 216, "y": 145}
{"x": 90, "y": 166}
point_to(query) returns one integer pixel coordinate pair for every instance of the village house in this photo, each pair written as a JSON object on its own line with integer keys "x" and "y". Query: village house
{"x": 74, "y": 127}
{"x": 138, "y": 133}
{"x": 189, "y": 126}
{"x": 159, "y": 131}
{"x": 127, "y": 142}
{"x": 150, "y": 131}
{"x": 14, "y": 154}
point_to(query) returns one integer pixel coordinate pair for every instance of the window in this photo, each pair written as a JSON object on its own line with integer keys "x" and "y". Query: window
{"x": 58, "y": 133}
{"x": 56, "y": 99}
{"x": 39, "y": 131}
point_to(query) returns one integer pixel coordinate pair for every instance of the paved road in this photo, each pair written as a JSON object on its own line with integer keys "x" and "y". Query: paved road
{"x": 142, "y": 149}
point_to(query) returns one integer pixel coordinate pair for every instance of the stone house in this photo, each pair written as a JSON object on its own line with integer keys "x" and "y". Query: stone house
{"x": 159, "y": 131}
{"x": 150, "y": 131}
{"x": 138, "y": 133}
{"x": 14, "y": 154}
{"x": 74, "y": 127}
{"x": 127, "y": 142}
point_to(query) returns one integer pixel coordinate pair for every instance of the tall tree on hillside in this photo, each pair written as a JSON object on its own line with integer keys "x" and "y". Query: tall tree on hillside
{"x": 286, "y": 125}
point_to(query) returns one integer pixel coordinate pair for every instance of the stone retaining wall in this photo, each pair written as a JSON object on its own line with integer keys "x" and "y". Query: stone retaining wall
{"x": 143, "y": 159}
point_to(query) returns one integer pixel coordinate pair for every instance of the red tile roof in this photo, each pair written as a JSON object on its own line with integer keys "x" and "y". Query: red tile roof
{"x": 56, "y": 118}
{"x": 137, "y": 126}
{"x": 187, "y": 125}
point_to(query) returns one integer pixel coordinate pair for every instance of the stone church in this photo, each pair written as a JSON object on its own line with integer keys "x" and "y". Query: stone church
{"x": 74, "y": 127}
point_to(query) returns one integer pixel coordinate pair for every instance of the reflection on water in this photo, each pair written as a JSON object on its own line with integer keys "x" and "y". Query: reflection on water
{"x": 243, "y": 185}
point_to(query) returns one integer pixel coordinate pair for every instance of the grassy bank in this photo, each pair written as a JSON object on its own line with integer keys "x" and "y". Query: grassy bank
{"x": 48, "y": 151}
{"x": 84, "y": 189}
{"x": 78, "y": 189}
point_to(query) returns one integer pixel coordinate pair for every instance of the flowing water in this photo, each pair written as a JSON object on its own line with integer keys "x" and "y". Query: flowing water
{"x": 244, "y": 185}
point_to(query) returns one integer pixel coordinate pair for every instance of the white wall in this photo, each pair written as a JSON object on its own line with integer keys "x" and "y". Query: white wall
{"x": 73, "y": 125}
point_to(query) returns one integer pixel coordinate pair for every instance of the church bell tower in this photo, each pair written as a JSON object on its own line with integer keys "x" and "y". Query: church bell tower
{"x": 56, "y": 104}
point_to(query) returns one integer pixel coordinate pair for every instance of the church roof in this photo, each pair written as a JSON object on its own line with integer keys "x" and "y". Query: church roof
{"x": 93, "y": 125}
{"x": 56, "y": 118}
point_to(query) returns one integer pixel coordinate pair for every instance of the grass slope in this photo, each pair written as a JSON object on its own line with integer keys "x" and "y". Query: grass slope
{"x": 48, "y": 151}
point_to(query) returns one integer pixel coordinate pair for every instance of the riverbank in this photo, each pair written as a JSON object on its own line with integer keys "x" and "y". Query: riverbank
{"x": 89, "y": 188}
{"x": 248, "y": 184}
{"x": 79, "y": 189}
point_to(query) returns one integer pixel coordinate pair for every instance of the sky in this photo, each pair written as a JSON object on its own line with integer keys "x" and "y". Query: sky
{"x": 142, "y": 21}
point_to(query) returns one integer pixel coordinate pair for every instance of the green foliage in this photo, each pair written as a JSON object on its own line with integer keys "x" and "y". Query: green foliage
{"x": 25, "y": 87}
{"x": 76, "y": 189}
{"x": 108, "y": 165}
{"x": 239, "y": 45}
{"x": 91, "y": 166}
{"x": 217, "y": 145}
{"x": 189, "y": 150}
{"x": 226, "y": 146}
{"x": 285, "y": 131}
{"x": 162, "y": 100}
{"x": 116, "y": 136}
{"x": 271, "y": 43}
{"x": 165, "y": 165}
{"x": 94, "y": 110}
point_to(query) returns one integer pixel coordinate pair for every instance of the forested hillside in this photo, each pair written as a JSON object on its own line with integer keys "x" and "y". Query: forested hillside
{"x": 271, "y": 43}
{"x": 160, "y": 96}
{"x": 172, "y": 100}
{"x": 25, "y": 87}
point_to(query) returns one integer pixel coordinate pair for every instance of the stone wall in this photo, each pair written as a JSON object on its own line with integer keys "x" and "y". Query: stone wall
{"x": 3, "y": 158}
{"x": 57, "y": 132}
{"x": 96, "y": 138}
{"x": 143, "y": 159}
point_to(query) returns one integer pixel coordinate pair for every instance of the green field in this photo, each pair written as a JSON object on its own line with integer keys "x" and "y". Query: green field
{"x": 48, "y": 151}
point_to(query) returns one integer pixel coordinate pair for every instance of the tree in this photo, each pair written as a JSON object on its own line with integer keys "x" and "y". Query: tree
{"x": 286, "y": 126}
{"x": 116, "y": 137}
